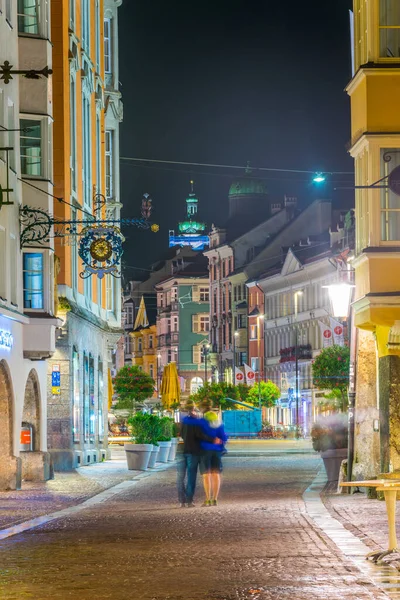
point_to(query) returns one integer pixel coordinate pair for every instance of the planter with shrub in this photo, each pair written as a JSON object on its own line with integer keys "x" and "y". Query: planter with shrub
{"x": 165, "y": 439}
{"x": 144, "y": 430}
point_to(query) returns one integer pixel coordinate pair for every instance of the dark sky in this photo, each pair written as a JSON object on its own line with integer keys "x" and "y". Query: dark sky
{"x": 227, "y": 81}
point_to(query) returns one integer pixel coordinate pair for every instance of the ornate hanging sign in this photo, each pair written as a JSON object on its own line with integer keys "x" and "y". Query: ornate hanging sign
{"x": 100, "y": 249}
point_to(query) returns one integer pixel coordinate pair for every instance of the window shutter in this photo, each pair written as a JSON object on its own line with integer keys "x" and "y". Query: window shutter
{"x": 195, "y": 294}
{"x": 195, "y": 323}
{"x": 196, "y": 355}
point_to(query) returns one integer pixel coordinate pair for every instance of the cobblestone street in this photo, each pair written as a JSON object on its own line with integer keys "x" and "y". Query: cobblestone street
{"x": 258, "y": 544}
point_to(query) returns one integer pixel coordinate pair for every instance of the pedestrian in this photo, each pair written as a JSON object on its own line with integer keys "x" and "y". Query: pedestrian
{"x": 211, "y": 459}
{"x": 193, "y": 430}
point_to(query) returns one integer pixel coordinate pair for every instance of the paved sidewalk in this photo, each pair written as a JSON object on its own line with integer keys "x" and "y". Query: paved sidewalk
{"x": 364, "y": 517}
{"x": 67, "y": 489}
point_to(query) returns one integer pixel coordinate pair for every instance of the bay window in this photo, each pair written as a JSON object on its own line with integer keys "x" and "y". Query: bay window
{"x": 390, "y": 202}
{"x": 31, "y": 147}
{"x": 28, "y": 16}
{"x": 33, "y": 291}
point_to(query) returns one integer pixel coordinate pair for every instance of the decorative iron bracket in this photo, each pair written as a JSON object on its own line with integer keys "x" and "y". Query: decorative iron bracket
{"x": 7, "y": 72}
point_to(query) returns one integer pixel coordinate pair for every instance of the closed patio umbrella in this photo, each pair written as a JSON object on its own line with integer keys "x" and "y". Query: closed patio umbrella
{"x": 170, "y": 388}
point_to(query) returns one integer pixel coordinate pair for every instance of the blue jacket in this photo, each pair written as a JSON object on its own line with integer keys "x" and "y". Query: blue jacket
{"x": 193, "y": 432}
{"x": 216, "y": 432}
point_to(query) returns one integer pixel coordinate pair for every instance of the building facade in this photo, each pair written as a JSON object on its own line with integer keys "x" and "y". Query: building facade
{"x": 27, "y": 322}
{"x": 375, "y": 146}
{"x": 87, "y": 111}
{"x": 183, "y": 325}
{"x": 144, "y": 342}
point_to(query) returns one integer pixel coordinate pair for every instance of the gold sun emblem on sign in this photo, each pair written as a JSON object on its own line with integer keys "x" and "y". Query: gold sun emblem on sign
{"x": 155, "y": 227}
{"x": 101, "y": 249}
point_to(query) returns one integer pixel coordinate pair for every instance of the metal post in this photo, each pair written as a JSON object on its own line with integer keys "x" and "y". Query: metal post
{"x": 234, "y": 353}
{"x": 259, "y": 362}
{"x": 205, "y": 363}
{"x": 158, "y": 373}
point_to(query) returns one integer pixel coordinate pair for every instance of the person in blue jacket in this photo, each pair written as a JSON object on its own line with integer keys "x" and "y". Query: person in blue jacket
{"x": 211, "y": 459}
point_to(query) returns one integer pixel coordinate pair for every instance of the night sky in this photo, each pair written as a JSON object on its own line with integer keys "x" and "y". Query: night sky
{"x": 228, "y": 81}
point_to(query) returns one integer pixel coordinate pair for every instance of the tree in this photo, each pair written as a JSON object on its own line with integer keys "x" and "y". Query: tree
{"x": 267, "y": 391}
{"x": 331, "y": 371}
{"x": 132, "y": 386}
{"x": 216, "y": 394}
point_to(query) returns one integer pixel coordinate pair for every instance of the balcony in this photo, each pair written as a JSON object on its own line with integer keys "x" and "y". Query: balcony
{"x": 304, "y": 352}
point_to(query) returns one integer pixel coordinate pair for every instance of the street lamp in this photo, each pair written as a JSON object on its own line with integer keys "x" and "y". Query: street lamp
{"x": 340, "y": 296}
{"x": 235, "y": 336}
{"x": 296, "y": 296}
{"x": 206, "y": 350}
{"x": 259, "y": 319}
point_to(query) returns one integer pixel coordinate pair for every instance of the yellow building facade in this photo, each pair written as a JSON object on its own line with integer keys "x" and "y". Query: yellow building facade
{"x": 84, "y": 34}
{"x": 375, "y": 146}
{"x": 144, "y": 344}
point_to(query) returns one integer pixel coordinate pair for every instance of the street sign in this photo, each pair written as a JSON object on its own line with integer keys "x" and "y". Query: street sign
{"x": 55, "y": 390}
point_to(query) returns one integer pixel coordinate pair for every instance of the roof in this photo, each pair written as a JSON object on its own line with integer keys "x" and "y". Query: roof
{"x": 248, "y": 186}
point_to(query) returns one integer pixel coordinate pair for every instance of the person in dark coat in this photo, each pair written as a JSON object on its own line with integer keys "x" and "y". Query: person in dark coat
{"x": 211, "y": 459}
{"x": 194, "y": 430}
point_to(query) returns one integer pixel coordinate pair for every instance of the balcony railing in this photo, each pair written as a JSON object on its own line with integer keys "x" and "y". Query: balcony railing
{"x": 304, "y": 352}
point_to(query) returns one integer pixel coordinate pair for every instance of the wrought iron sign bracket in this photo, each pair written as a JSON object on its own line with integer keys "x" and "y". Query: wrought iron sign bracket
{"x": 7, "y": 72}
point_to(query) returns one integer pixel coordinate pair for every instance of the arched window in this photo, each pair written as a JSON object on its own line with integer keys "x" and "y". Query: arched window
{"x": 195, "y": 384}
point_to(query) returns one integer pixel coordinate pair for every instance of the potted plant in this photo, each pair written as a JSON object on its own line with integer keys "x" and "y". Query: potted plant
{"x": 174, "y": 441}
{"x": 330, "y": 436}
{"x": 165, "y": 439}
{"x": 139, "y": 450}
{"x": 154, "y": 434}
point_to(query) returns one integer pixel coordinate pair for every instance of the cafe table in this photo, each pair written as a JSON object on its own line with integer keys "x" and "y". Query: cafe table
{"x": 389, "y": 487}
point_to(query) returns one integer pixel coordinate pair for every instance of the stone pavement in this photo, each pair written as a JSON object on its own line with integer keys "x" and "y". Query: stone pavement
{"x": 258, "y": 544}
{"x": 67, "y": 489}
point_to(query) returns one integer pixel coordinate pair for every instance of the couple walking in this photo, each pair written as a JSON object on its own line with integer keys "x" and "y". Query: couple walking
{"x": 203, "y": 446}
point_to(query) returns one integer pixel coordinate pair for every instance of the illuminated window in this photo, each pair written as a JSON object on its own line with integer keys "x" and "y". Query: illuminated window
{"x": 389, "y": 28}
{"x": 253, "y": 332}
{"x": 76, "y": 408}
{"x": 195, "y": 384}
{"x": 33, "y": 280}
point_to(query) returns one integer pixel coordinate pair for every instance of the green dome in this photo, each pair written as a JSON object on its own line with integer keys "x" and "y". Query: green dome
{"x": 248, "y": 187}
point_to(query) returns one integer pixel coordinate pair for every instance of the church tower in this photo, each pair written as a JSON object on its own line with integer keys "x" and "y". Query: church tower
{"x": 191, "y": 231}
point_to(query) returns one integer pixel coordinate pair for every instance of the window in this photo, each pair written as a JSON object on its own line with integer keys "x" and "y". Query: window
{"x": 86, "y": 152}
{"x": 85, "y": 17}
{"x": 100, "y": 393}
{"x": 72, "y": 14}
{"x": 253, "y": 332}
{"x": 97, "y": 33}
{"x": 86, "y": 397}
{"x": 3, "y": 281}
{"x": 195, "y": 384}
{"x": 72, "y": 106}
{"x": 109, "y": 164}
{"x": 254, "y": 364}
{"x": 390, "y": 202}
{"x": 204, "y": 294}
{"x": 140, "y": 344}
{"x": 107, "y": 46}
{"x": 98, "y": 157}
{"x": 74, "y": 258}
{"x": 151, "y": 343}
{"x": 241, "y": 322}
{"x": 92, "y": 413}
{"x": 28, "y": 16}
{"x": 127, "y": 344}
{"x": 223, "y": 268}
{"x": 14, "y": 275}
{"x": 76, "y": 398}
{"x": 31, "y": 147}
{"x": 389, "y": 28}
{"x": 8, "y": 11}
{"x": 175, "y": 324}
{"x": 242, "y": 358}
{"x": 33, "y": 280}
{"x": 201, "y": 323}
{"x": 129, "y": 314}
{"x": 110, "y": 293}
{"x": 151, "y": 370}
{"x": 235, "y": 293}
{"x": 197, "y": 355}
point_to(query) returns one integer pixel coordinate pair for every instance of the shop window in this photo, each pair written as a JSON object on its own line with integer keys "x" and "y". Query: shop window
{"x": 31, "y": 147}
{"x": 86, "y": 397}
{"x": 100, "y": 412}
{"x": 389, "y": 28}
{"x": 33, "y": 281}
{"x": 76, "y": 398}
{"x": 28, "y": 16}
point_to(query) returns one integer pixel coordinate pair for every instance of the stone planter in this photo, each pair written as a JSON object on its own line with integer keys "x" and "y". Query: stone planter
{"x": 138, "y": 456}
{"x": 332, "y": 461}
{"x": 163, "y": 453}
{"x": 153, "y": 457}
{"x": 173, "y": 449}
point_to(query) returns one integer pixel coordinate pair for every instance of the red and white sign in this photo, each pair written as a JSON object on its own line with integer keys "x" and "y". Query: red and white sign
{"x": 338, "y": 333}
{"x": 250, "y": 375}
{"x": 239, "y": 376}
{"x": 326, "y": 333}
